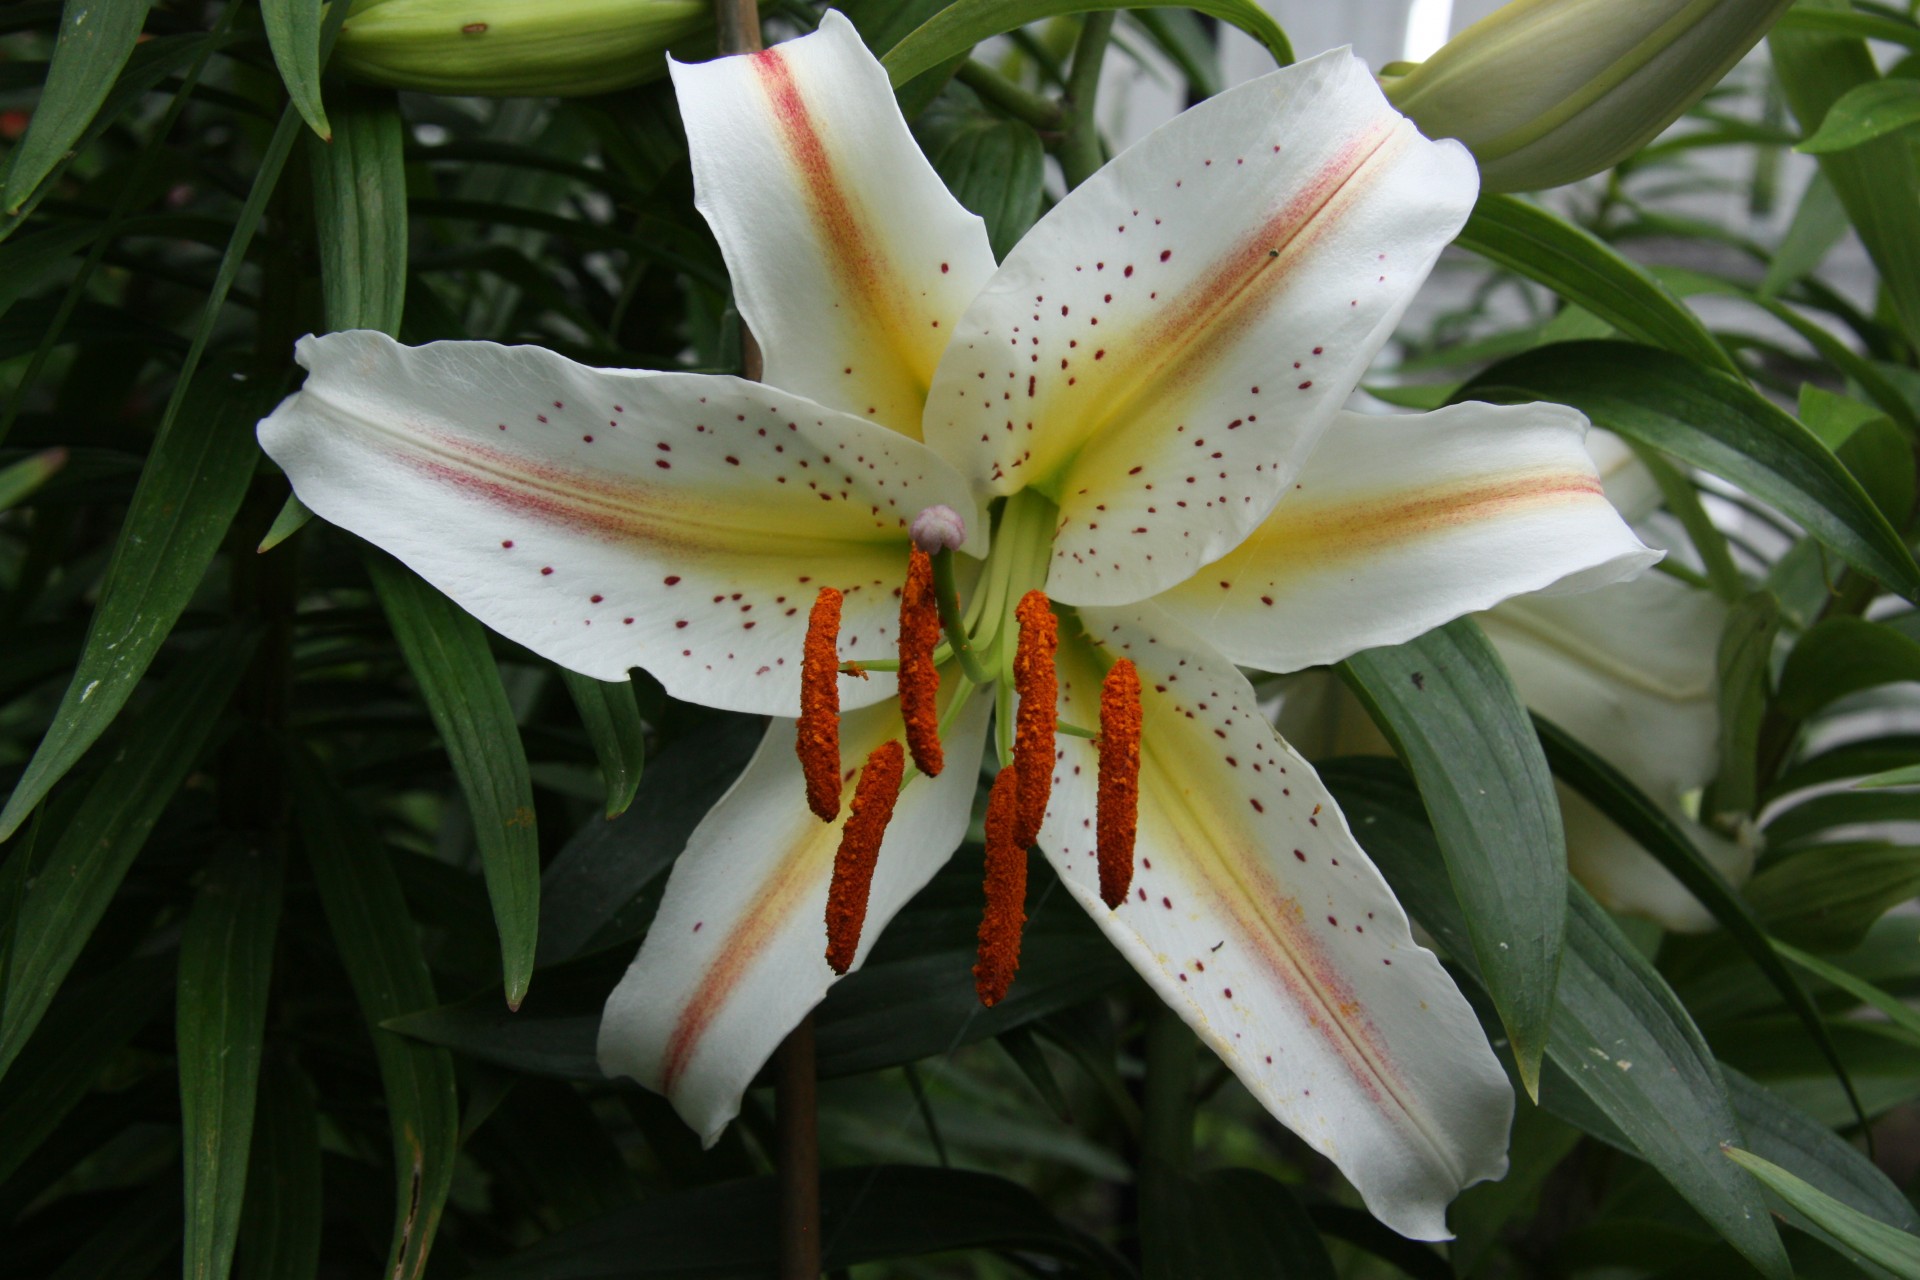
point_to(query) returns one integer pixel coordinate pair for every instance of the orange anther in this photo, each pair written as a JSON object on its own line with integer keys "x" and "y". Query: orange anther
{"x": 818, "y": 742}
{"x": 919, "y": 678}
{"x": 1006, "y": 890}
{"x": 1117, "y": 815}
{"x": 1038, "y": 685}
{"x": 853, "y": 862}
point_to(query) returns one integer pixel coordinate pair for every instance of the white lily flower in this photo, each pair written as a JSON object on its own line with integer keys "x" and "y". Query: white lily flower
{"x": 1140, "y": 399}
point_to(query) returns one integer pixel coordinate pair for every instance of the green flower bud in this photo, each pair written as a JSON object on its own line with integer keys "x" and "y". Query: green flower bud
{"x": 1546, "y": 92}
{"x": 513, "y": 48}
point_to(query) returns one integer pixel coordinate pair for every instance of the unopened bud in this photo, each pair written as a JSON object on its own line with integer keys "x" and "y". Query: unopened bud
{"x": 513, "y": 48}
{"x": 1546, "y": 92}
{"x": 938, "y": 528}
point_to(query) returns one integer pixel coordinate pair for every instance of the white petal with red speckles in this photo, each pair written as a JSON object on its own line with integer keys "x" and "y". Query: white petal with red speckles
{"x": 1255, "y": 915}
{"x": 1161, "y": 351}
{"x": 608, "y": 518}
{"x": 850, "y": 259}
{"x": 736, "y": 956}
{"x": 1399, "y": 524}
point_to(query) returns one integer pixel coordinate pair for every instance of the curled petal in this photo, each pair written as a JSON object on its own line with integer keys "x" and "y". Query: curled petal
{"x": 1398, "y": 524}
{"x": 1161, "y": 351}
{"x": 736, "y": 955}
{"x": 1255, "y": 915}
{"x": 850, "y": 260}
{"x": 611, "y": 518}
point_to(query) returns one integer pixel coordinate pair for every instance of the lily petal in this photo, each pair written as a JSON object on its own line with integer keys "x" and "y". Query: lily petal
{"x": 737, "y": 954}
{"x": 1256, "y": 916}
{"x": 1161, "y": 351}
{"x": 612, "y": 518}
{"x": 850, "y": 259}
{"x": 1398, "y": 524}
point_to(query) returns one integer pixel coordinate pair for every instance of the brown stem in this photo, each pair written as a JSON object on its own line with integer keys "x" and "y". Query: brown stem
{"x": 739, "y": 22}
{"x": 798, "y": 1154}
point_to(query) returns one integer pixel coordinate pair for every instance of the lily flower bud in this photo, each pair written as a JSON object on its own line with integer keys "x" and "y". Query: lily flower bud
{"x": 1545, "y": 92}
{"x": 513, "y": 48}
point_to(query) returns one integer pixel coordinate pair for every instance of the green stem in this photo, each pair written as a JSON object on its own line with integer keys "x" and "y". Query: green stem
{"x": 1166, "y": 1125}
{"x": 1080, "y": 153}
{"x": 1009, "y": 99}
{"x": 947, "y": 592}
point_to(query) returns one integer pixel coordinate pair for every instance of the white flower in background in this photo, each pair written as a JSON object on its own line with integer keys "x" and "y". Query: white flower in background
{"x": 1131, "y": 415}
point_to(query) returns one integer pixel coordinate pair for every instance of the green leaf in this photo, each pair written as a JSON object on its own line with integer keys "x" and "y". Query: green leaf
{"x": 446, "y": 649}
{"x": 293, "y": 33}
{"x": 1745, "y": 663}
{"x": 1788, "y": 1136}
{"x": 19, "y": 481}
{"x": 1842, "y": 656}
{"x": 189, "y": 491}
{"x": 1896, "y": 1250}
{"x": 1231, "y": 1224}
{"x": 867, "y": 1214}
{"x": 380, "y": 948}
{"x": 1896, "y": 1011}
{"x": 88, "y": 1024}
{"x": 226, "y": 958}
{"x": 1629, "y": 808}
{"x": 612, "y": 720}
{"x": 1590, "y": 273}
{"x": 995, "y": 168}
{"x": 1866, "y": 112}
{"x": 1716, "y": 423}
{"x": 956, "y": 29}
{"x": 360, "y": 213}
{"x": 1811, "y": 818}
{"x": 292, "y": 519}
{"x": 1867, "y": 26}
{"x": 1625, "y": 1060}
{"x": 96, "y": 39}
{"x": 1828, "y": 897}
{"x": 280, "y": 1224}
{"x": 1447, "y": 702}
{"x": 1905, "y": 776}
{"x": 90, "y": 856}
{"x": 1819, "y": 223}
{"x": 1878, "y": 181}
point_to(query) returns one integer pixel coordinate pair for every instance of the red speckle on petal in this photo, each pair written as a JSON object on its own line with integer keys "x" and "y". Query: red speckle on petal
{"x": 944, "y": 268}
{"x": 544, "y": 572}
{"x": 596, "y": 599}
{"x": 1257, "y": 806}
{"x": 508, "y": 542}
{"x": 1165, "y": 254}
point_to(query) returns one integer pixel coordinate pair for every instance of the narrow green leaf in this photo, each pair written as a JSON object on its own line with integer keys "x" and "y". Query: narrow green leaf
{"x": 1447, "y": 702}
{"x": 91, "y": 856}
{"x": 1897, "y": 1012}
{"x": 1625, "y": 1060}
{"x": 1714, "y": 422}
{"x": 612, "y": 719}
{"x": 1867, "y": 26}
{"x": 1819, "y": 223}
{"x": 88, "y": 1024}
{"x": 1878, "y": 182}
{"x": 226, "y": 958}
{"x": 1629, "y": 808}
{"x": 380, "y": 948}
{"x": 360, "y": 213}
{"x": 1896, "y": 1250}
{"x": 1828, "y": 897}
{"x": 96, "y": 39}
{"x": 1788, "y": 1136}
{"x": 446, "y": 649}
{"x": 293, "y": 33}
{"x": 292, "y": 519}
{"x": 1587, "y": 271}
{"x": 1906, "y": 776}
{"x": 996, "y": 169}
{"x": 19, "y": 481}
{"x": 1811, "y": 819}
{"x": 1866, "y": 112}
{"x": 1683, "y": 502}
{"x": 131, "y": 1242}
{"x": 189, "y": 491}
{"x": 954, "y": 31}
{"x": 1745, "y": 663}
{"x": 280, "y": 1222}
{"x": 1841, "y": 656}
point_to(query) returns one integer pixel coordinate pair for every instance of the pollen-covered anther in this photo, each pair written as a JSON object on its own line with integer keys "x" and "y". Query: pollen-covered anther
{"x": 818, "y": 739}
{"x": 1038, "y": 685}
{"x": 919, "y": 679}
{"x": 1006, "y": 893}
{"x": 1117, "y": 813}
{"x": 867, "y": 817}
